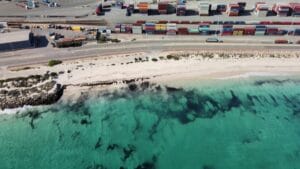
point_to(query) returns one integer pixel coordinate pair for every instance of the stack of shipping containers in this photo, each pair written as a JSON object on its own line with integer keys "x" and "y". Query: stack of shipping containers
{"x": 181, "y": 10}
{"x": 261, "y": 9}
{"x": 297, "y": 32}
{"x": 238, "y": 31}
{"x": 272, "y": 31}
{"x": 171, "y": 28}
{"x": 295, "y": 9}
{"x": 281, "y": 9}
{"x": 193, "y": 29}
{"x": 260, "y": 30}
{"x": 149, "y": 27}
{"x": 160, "y": 28}
{"x": 118, "y": 28}
{"x": 182, "y": 31}
{"x": 249, "y": 30}
{"x": 227, "y": 30}
{"x": 233, "y": 10}
{"x": 126, "y": 28}
{"x": 204, "y": 29}
{"x": 204, "y": 8}
{"x": 137, "y": 28}
{"x": 162, "y": 7}
{"x": 143, "y": 7}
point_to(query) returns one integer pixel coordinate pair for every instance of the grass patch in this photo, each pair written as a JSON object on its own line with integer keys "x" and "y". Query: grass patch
{"x": 21, "y": 68}
{"x": 54, "y": 62}
{"x": 173, "y": 57}
{"x": 115, "y": 40}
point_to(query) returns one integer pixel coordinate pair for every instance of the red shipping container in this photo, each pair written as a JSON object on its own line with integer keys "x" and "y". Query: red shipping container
{"x": 162, "y": 22}
{"x": 140, "y": 21}
{"x": 171, "y": 32}
{"x": 177, "y": 22}
{"x": 281, "y": 41}
{"x": 185, "y": 22}
{"x": 226, "y": 33}
{"x": 272, "y": 31}
{"x": 265, "y": 22}
{"x": 195, "y": 22}
{"x": 207, "y": 22}
{"x": 249, "y": 31}
{"x": 162, "y": 7}
{"x": 183, "y": 31}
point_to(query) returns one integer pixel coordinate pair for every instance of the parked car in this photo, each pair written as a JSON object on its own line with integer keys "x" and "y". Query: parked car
{"x": 213, "y": 40}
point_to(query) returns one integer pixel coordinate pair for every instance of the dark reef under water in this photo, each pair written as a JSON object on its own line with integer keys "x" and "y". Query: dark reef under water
{"x": 233, "y": 124}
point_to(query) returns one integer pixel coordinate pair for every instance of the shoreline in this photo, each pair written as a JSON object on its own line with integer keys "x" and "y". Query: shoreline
{"x": 182, "y": 68}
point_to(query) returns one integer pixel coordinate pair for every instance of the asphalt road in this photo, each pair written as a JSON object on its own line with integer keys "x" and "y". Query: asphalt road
{"x": 43, "y": 55}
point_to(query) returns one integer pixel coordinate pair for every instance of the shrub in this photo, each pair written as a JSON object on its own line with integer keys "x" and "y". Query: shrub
{"x": 161, "y": 58}
{"x": 170, "y": 56}
{"x": 115, "y": 40}
{"x": 54, "y": 62}
{"x": 154, "y": 59}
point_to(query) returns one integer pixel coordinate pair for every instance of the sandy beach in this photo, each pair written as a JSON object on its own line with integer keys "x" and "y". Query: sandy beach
{"x": 167, "y": 68}
{"x": 158, "y": 67}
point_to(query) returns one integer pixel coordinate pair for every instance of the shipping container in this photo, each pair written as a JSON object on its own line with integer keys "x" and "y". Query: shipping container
{"x": 295, "y": 9}
{"x": 76, "y": 28}
{"x": 163, "y": 22}
{"x": 172, "y": 26}
{"x": 185, "y": 22}
{"x": 193, "y": 31}
{"x": 261, "y": 9}
{"x": 149, "y": 27}
{"x": 296, "y": 32}
{"x": 177, "y": 22}
{"x": 204, "y": 8}
{"x": 249, "y": 30}
{"x": 171, "y": 32}
{"x": 221, "y": 8}
{"x": 137, "y": 29}
{"x": 233, "y": 10}
{"x": 140, "y": 21}
{"x": 162, "y": 7}
{"x": 272, "y": 31}
{"x": 281, "y": 41}
{"x": 296, "y": 23}
{"x": 265, "y": 22}
{"x": 183, "y": 31}
{"x": 143, "y": 7}
{"x": 126, "y": 28}
{"x": 281, "y": 9}
{"x": 242, "y": 6}
{"x": 181, "y": 10}
{"x": 238, "y": 31}
{"x": 252, "y": 22}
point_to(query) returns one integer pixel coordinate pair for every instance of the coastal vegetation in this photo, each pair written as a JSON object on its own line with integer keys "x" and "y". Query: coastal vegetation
{"x": 54, "y": 62}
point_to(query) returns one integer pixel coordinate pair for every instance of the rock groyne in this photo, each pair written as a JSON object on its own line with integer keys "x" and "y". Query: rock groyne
{"x": 31, "y": 90}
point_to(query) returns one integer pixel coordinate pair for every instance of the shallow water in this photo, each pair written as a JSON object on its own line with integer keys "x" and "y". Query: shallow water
{"x": 228, "y": 124}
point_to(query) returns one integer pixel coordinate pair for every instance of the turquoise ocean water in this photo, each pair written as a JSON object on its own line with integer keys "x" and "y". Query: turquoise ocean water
{"x": 229, "y": 124}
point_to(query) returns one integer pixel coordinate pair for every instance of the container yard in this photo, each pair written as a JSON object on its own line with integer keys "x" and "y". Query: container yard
{"x": 197, "y": 18}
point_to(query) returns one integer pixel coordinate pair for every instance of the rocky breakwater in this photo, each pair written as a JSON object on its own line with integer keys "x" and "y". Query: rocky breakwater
{"x": 31, "y": 90}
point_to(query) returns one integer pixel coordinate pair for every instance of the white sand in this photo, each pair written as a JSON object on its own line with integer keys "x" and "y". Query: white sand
{"x": 112, "y": 69}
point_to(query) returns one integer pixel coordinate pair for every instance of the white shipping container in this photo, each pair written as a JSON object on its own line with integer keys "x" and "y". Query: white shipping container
{"x": 171, "y": 26}
{"x": 203, "y": 8}
{"x": 259, "y": 33}
{"x": 137, "y": 30}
